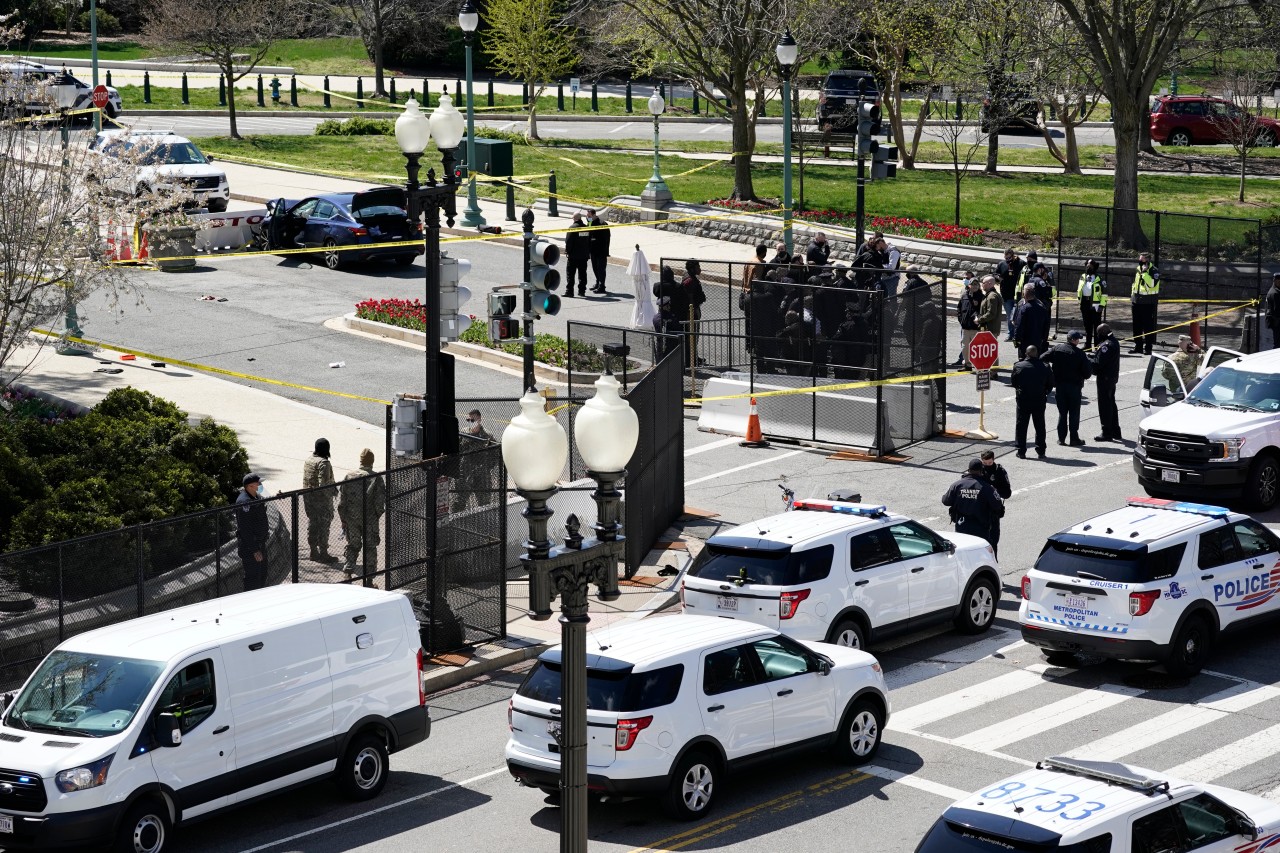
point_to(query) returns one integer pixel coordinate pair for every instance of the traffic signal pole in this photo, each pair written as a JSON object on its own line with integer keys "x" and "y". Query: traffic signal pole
{"x": 861, "y": 198}
{"x": 529, "y": 380}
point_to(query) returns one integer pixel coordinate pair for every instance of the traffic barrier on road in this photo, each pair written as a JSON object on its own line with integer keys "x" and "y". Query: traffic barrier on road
{"x": 754, "y": 437}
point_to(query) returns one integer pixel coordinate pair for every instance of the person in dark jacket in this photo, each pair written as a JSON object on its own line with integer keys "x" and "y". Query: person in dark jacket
{"x": 913, "y": 281}
{"x": 973, "y": 503}
{"x": 1031, "y": 323}
{"x": 694, "y": 296}
{"x": 1070, "y": 368}
{"x": 668, "y": 286}
{"x": 998, "y": 477}
{"x": 1272, "y": 305}
{"x": 251, "y": 532}
{"x": 598, "y": 243}
{"x": 577, "y": 248}
{"x": 1010, "y": 273}
{"x": 780, "y": 255}
{"x": 870, "y": 264}
{"x": 1106, "y": 370}
{"x": 819, "y": 252}
{"x": 760, "y": 307}
{"x": 1032, "y": 380}
{"x": 849, "y": 344}
{"x": 967, "y": 315}
{"x": 1043, "y": 282}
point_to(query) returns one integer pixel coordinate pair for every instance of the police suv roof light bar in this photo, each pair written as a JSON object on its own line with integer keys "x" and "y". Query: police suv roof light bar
{"x": 1180, "y": 506}
{"x": 865, "y": 510}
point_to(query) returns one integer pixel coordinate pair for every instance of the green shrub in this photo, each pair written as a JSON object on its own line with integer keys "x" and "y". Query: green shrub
{"x": 108, "y": 24}
{"x": 356, "y": 126}
{"x": 511, "y": 136}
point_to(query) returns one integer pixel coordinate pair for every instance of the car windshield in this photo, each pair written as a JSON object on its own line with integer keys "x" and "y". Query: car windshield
{"x": 78, "y": 693}
{"x": 949, "y": 837}
{"x": 173, "y": 154}
{"x": 782, "y": 567}
{"x": 607, "y": 689}
{"x": 1232, "y": 388}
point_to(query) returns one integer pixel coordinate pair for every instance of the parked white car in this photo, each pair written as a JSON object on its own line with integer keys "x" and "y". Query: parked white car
{"x": 20, "y": 81}
{"x": 675, "y": 702}
{"x": 844, "y": 573}
{"x": 161, "y": 160}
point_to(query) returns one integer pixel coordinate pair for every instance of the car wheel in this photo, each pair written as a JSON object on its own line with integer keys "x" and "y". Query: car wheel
{"x": 859, "y": 735}
{"x": 145, "y": 828}
{"x": 978, "y": 607}
{"x": 1263, "y": 487}
{"x": 362, "y": 772}
{"x": 217, "y": 205}
{"x": 1179, "y": 138}
{"x": 1063, "y": 659}
{"x": 692, "y": 790}
{"x": 849, "y": 633}
{"x": 332, "y": 257}
{"x": 1266, "y": 139}
{"x": 1190, "y": 648}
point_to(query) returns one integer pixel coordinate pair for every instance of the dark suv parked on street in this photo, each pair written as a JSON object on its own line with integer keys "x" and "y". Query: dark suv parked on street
{"x": 842, "y": 91}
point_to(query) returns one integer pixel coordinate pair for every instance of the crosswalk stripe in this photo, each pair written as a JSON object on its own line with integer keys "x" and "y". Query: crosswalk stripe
{"x": 1230, "y": 758}
{"x": 1177, "y": 722}
{"x": 913, "y": 781}
{"x": 970, "y": 697}
{"x": 1046, "y": 717}
{"x": 996, "y": 645}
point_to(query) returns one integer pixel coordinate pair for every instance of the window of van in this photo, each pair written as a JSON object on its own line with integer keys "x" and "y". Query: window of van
{"x": 189, "y": 695}
{"x": 77, "y": 693}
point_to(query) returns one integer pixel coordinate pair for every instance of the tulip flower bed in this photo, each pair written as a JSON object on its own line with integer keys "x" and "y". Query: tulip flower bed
{"x": 394, "y": 312}
{"x": 903, "y": 225}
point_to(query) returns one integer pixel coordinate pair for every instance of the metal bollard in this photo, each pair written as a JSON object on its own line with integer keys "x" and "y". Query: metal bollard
{"x": 293, "y": 90}
{"x": 662, "y": 90}
{"x": 628, "y": 96}
{"x": 511, "y": 200}
{"x": 560, "y": 96}
{"x": 695, "y": 103}
{"x": 328, "y": 103}
{"x": 146, "y": 87}
{"x": 595, "y": 103}
{"x": 222, "y": 91}
{"x": 426, "y": 93}
{"x": 360, "y": 92}
{"x": 261, "y": 99}
{"x": 108, "y": 76}
{"x": 553, "y": 203}
{"x": 524, "y": 94}
{"x": 490, "y": 96}
{"x": 186, "y": 96}
{"x": 457, "y": 91}
{"x": 391, "y": 94}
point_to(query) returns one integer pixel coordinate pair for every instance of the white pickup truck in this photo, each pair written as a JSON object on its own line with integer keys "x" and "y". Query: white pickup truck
{"x": 1218, "y": 440}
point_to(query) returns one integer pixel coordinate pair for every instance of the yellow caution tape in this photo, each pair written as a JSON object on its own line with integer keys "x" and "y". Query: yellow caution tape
{"x": 1193, "y": 321}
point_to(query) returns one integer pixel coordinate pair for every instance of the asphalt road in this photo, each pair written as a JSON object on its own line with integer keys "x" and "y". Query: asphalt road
{"x": 638, "y": 129}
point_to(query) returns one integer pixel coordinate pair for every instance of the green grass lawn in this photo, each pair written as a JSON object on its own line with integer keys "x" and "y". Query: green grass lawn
{"x": 1006, "y": 203}
{"x": 118, "y": 51}
{"x": 321, "y": 56}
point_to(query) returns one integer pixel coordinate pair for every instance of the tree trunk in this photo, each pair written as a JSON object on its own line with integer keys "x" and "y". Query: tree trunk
{"x": 915, "y": 135}
{"x": 955, "y": 171}
{"x": 893, "y": 106}
{"x": 1072, "y": 166}
{"x": 1144, "y": 127}
{"x": 743, "y": 188}
{"x": 227, "y": 70}
{"x": 379, "y": 81}
{"x": 532, "y": 131}
{"x": 1128, "y": 226}
{"x": 1244, "y": 159}
{"x": 993, "y": 152}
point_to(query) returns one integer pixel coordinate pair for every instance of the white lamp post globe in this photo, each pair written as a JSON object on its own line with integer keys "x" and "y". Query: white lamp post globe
{"x": 656, "y": 105}
{"x": 606, "y": 429}
{"x": 787, "y": 51}
{"x": 468, "y": 17}
{"x": 412, "y": 130}
{"x": 534, "y": 446}
{"x": 447, "y": 124}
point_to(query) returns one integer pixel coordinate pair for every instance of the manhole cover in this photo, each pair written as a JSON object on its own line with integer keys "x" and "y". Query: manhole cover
{"x": 1156, "y": 681}
{"x": 16, "y": 602}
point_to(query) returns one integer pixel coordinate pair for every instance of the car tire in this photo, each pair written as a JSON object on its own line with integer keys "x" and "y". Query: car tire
{"x": 362, "y": 771}
{"x": 1190, "y": 648}
{"x": 332, "y": 258}
{"x": 1266, "y": 138}
{"x": 858, "y": 739}
{"x": 1179, "y": 138}
{"x": 978, "y": 607}
{"x": 1067, "y": 660}
{"x": 692, "y": 789}
{"x": 145, "y": 828}
{"x": 849, "y": 633}
{"x": 217, "y": 205}
{"x": 1263, "y": 486}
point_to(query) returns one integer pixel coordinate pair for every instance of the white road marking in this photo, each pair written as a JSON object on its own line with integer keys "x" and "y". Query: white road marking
{"x": 1080, "y": 473}
{"x": 711, "y": 127}
{"x": 328, "y": 826}
{"x": 720, "y": 474}
{"x": 996, "y": 645}
{"x": 507, "y": 126}
{"x": 724, "y": 442}
{"x": 915, "y": 782}
{"x": 1230, "y": 758}
{"x": 1047, "y": 717}
{"x": 622, "y": 127}
{"x": 1177, "y": 722}
{"x": 969, "y": 697}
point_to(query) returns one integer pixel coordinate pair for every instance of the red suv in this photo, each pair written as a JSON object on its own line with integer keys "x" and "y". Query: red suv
{"x": 1198, "y": 120}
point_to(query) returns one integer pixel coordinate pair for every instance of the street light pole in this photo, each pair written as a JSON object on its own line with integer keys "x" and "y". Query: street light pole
{"x": 787, "y": 54}
{"x": 656, "y": 194}
{"x": 93, "y": 55}
{"x": 65, "y": 95}
{"x": 468, "y": 20}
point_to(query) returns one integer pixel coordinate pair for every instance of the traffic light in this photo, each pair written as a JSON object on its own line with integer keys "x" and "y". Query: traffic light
{"x": 501, "y": 325}
{"x": 884, "y": 162}
{"x": 868, "y": 122}
{"x": 544, "y": 279}
{"x": 452, "y": 297}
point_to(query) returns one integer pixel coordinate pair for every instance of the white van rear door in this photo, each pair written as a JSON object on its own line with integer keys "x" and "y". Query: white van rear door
{"x": 201, "y": 769}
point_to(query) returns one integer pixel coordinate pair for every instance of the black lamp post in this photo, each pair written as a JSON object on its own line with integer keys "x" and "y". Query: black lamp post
{"x": 535, "y": 449}
{"x": 413, "y": 132}
{"x": 65, "y": 93}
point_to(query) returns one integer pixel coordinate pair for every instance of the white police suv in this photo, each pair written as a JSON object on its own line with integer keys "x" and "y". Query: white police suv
{"x": 674, "y": 702}
{"x": 1156, "y": 580}
{"x": 1068, "y": 805}
{"x": 844, "y": 573}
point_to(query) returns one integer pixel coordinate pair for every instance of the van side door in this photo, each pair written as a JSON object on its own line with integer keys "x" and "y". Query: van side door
{"x": 200, "y": 770}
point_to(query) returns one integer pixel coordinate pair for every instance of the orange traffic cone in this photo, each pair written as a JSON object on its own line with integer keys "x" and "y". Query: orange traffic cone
{"x": 755, "y": 438}
{"x": 1195, "y": 331}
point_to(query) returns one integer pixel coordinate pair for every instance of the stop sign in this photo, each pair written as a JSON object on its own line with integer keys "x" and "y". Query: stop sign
{"x": 100, "y": 97}
{"x": 984, "y": 350}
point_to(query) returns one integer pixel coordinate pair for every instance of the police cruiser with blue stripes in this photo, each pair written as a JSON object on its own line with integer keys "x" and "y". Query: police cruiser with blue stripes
{"x": 1156, "y": 580}
{"x": 844, "y": 572}
{"x": 1069, "y": 805}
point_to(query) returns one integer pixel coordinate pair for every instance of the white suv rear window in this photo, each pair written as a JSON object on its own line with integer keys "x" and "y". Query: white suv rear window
{"x": 1098, "y": 562}
{"x": 950, "y": 837}
{"x": 608, "y": 689}
{"x": 781, "y": 567}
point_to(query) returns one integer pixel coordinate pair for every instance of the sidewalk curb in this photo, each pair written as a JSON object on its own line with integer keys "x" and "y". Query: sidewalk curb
{"x": 452, "y": 676}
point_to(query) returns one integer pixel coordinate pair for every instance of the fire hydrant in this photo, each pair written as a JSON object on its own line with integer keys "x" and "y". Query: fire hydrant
{"x": 275, "y": 90}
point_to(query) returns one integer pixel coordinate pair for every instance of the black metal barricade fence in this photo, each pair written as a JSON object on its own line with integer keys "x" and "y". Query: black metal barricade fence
{"x": 863, "y": 326}
{"x": 1210, "y": 266}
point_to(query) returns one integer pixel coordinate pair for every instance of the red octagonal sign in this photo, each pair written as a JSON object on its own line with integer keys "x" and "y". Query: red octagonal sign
{"x": 984, "y": 350}
{"x": 100, "y": 97}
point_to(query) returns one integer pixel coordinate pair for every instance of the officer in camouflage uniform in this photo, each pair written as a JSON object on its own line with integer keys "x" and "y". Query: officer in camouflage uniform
{"x": 361, "y": 501}
{"x": 318, "y": 471}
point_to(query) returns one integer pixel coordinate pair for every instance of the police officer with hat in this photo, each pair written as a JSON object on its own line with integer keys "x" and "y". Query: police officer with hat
{"x": 973, "y": 502}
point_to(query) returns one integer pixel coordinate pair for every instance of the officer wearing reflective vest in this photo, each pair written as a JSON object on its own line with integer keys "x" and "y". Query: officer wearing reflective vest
{"x": 1092, "y": 294}
{"x": 1145, "y": 299}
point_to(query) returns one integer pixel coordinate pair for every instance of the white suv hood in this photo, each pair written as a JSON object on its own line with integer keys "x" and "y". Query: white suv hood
{"x": 187, "y": 170}
{"x": 1206, "y": 422}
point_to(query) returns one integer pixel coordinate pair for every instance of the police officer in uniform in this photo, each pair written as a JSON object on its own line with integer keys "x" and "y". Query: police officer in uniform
{"x": 1092, "y": 294}
{"x": 1071, "y": 368}
{"x": 252, "y": 531}
{"x": 1106, "y": 372}
{"x": 973, "y": 503}
{"x": 1145, "y": 299}
{"x": 998, "y": 477}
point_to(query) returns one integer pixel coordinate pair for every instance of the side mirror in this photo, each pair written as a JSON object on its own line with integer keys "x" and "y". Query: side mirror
{"x": 168, "y": 730}
{"x": 824, "y": 666}
{"x": 1159, "y": 396}
{"x": 1246, "y": 827}
{"x": 5, "y": 701}
{"x": 951, "y": 547}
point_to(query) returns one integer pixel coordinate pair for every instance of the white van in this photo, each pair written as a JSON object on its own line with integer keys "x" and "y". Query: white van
{"x": 125, "y": 732}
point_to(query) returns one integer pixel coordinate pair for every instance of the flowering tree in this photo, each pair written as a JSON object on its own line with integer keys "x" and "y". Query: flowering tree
{"x": 528, "y": 39}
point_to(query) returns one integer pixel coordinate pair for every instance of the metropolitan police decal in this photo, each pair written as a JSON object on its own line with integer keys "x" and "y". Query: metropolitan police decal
{"x": 1248, "y": 592}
